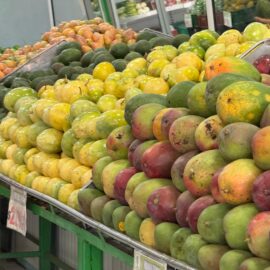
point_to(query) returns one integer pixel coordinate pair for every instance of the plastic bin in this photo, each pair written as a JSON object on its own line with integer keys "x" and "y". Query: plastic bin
{"x": 181, "y": 28}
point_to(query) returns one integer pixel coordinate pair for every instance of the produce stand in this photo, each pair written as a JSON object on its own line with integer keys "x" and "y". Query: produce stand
{"x": 93, "y": 237}
{"x": 97, "y": 177}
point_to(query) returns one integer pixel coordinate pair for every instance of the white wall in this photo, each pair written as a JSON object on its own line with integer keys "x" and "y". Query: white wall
{"x": 24, "y": 21}
{"x": 66, "y": 10}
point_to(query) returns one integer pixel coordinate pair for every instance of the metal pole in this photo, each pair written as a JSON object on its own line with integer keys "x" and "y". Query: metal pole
{"x": 115, "y": 14}
{"x": 104, "y": 8}
{"x": 163, "y": 17}
{"x": 45, "y": 244}
{"x": 51, "y": 13}
{"x": 210, "y": 10}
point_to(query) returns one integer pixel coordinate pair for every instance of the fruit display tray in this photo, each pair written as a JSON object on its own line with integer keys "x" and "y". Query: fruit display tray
{"x": 259, "y": 49}
{"x": 159, "y": 34}
{"x": 40, "y": 61}
{"x": 122, "y": 239}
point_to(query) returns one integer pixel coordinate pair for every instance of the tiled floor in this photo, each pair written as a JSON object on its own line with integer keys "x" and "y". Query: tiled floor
{"x": 9, "y": 265}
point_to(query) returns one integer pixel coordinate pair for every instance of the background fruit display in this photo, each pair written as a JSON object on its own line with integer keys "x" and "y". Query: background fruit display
{"x": 174, "y": 143}
{"x": 91, "y": 34}
{"x": 238, "y": 5}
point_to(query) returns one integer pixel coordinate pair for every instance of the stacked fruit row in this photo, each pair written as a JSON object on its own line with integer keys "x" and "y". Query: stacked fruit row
{"x": 184, "y": 172}
{"x": 167, "y": 144}
{"x": 70, "y": 62}
{"x": 91, "y": 34}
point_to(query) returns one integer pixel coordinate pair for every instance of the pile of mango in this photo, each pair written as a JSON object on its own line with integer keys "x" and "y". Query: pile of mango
{"x": 170, "y": 135}
{"x": 90, "y": 34}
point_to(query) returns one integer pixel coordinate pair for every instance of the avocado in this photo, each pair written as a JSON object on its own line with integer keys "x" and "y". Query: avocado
{"x": 66, "y": 72}
{"x": 153, "y": 40}
{"x": 78, "y": 70}
{"x": 100, "y": 50}
{"x": 104, "y": 58}
{"x": 89, "y": 69}
{"x": 49, "y": 72}
{"x": 68, "y": 45}
{"x": 25, "y": 74}
{"x": 55, "y": 59}
{"x": 38, "y": 82}
{"x": 3, "y": 114}
{"x": 18, "y": 82}
{"x": 69, "y": 55}
{"x": 57, "y": 66}
{"x": 8, "y": 81}
{"x": 75, "y": 64}
{"x": 119, "y": 64}
{"x": 119, "y": 50}
{"x": 3, "y": 88}
{"x": 160, "y": 41}
{"x": 179, "y": 39}
{"x": 131, "y": 47}
{"x": 142, "y": 47}
{"x": 50, "y": 80}
{"x": 145, "y": 36}
{"x": 74, "y": 76}
{"x": 98, "y": 53}
{"x": 132, "y": 56}
{"x": 3, "y": 91}
{"x": 87, "y": 58}
{"x": 36, "y": 74}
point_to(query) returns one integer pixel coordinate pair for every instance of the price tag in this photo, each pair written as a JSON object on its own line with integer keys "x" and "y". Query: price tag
{"x": 143, "y": 262}
{"x": 227, "y": 16}
{"x": 17, "y": 210}
{"x": 188, "y": 20}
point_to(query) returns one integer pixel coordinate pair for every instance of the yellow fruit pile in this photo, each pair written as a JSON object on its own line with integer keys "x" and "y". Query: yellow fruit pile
{"x": 50, "y": 143}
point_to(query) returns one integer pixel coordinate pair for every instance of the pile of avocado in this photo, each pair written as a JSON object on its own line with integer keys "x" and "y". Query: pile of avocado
{"x": 151, "y": 40}
{"x": 70, "y": 62}
{"x": 3, "y": 91}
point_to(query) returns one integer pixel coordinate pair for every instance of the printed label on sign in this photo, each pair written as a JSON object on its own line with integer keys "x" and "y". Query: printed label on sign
{"x": 227, "y": 16}
{"x": 188, "y": 20}
{"x": 143, "y": 262}
{"x": 17, "y": 210}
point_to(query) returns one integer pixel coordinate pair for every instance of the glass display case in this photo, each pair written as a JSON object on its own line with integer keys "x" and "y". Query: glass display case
{"x": 239, "y": 13}
{"x": 154, "y": 14}
{"x": 100, "y": 9}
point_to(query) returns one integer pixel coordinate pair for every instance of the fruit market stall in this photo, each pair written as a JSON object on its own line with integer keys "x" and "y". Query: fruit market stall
{"x": 101, "y": 241}
{"x": 160, "y": 143}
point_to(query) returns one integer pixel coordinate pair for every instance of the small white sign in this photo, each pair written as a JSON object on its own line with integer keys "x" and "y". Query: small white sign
{"x": 144, "y": 262}
{"x": 227, "y": 16}
{"x": 17, "y": 210}
{"x": 188, "y": 20}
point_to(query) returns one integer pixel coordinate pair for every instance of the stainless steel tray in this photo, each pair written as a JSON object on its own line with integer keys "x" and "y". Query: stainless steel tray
{"x": 160, "y": 34}
{"x": 259, "y": 49}
{"x": 40, "y": 61}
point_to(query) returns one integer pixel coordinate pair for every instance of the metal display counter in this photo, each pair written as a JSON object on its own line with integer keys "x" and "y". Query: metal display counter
{"x": 93, "y": 237}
